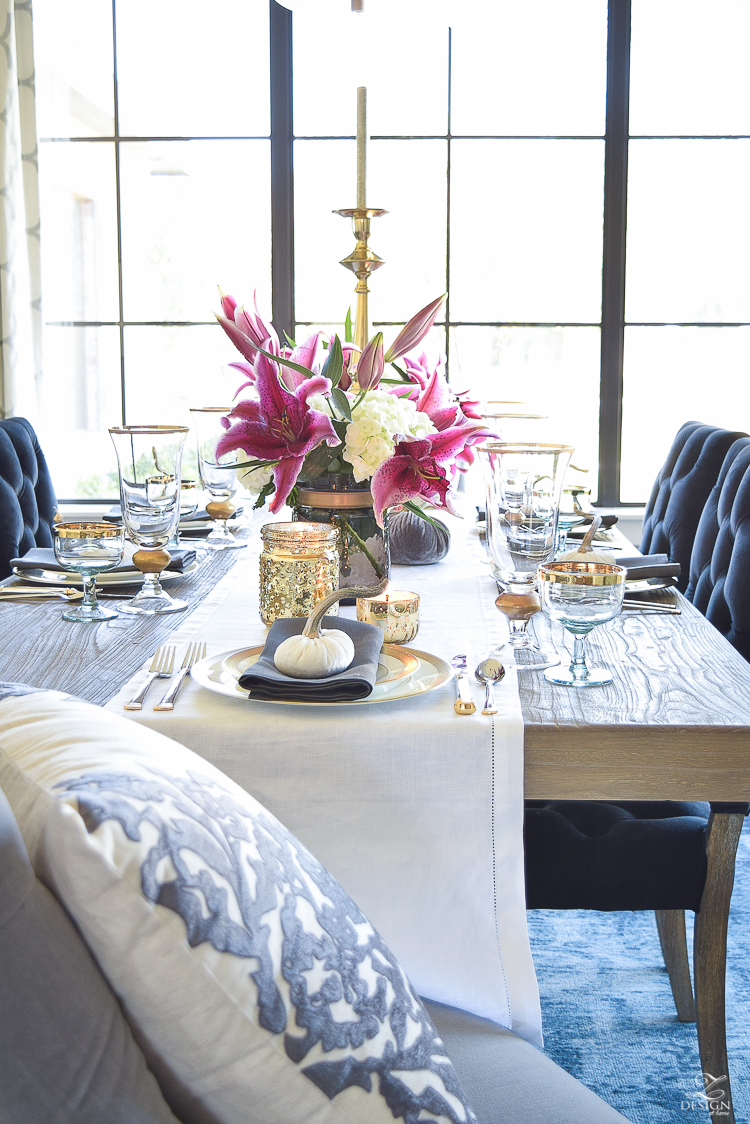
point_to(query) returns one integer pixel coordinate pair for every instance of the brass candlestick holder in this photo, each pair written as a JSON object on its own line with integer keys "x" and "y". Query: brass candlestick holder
{"x": 362, "y": 261}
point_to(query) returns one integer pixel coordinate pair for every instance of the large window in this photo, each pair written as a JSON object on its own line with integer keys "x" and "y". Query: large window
{"x": 523, "y": 160}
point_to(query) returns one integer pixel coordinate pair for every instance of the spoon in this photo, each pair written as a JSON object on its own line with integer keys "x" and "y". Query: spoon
{"x": 489, "y": 672}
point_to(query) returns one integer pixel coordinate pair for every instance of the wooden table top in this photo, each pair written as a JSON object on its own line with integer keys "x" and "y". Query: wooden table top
{"x": 674, "y": 724}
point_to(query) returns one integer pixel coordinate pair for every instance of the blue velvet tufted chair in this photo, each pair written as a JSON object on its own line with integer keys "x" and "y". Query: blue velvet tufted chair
{"x": 681, "y": 489}
{"x": 27, "y": 498}
{"x": 670, "y": 856}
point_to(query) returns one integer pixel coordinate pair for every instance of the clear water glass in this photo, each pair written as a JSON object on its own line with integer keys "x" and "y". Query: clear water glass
{"x": 149, "y": 459}
{"x": 523, "y": 486}
{"x": 89, "y": 549}
{"x": 217, "y": 474}
{"x": 581, "y": 595}
{"x": 189, "y": 498}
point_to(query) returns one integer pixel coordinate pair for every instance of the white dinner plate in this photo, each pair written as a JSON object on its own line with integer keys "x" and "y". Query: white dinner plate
{"x": 214, "y": 674}
{"x": 66, "y": 577}
{"x": 646, "y": 585}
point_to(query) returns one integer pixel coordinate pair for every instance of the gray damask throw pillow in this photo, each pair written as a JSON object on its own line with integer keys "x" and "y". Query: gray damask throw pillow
{"x": 257, "y": 988}
{"x": 67, "y": 1054}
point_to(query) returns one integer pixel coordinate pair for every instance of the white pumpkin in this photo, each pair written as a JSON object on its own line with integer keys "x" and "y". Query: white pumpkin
{"x": 315, "y": 657}
{"x": 319, "y": 652}
{"x": 588, "y": 556}
{"x": 584, "y": 553}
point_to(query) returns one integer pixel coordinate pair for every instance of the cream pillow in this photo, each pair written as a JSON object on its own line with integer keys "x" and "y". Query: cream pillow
{"x": 256, "y": 987}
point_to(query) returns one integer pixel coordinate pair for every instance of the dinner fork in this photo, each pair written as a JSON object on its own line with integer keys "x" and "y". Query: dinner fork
{"x": 161, "y": 668}
{"x": 195, "y": 652}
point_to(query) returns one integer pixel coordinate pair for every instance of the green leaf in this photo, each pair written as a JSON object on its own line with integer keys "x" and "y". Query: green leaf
{"x": 348, "y": 330}
{"x": 287, "y": 363}
{"x": 404, "y": 376}
{"x": 289, "y": 340}
{"x": 317, "y": 461}
{"x": 268, "y": 489}
{"x": 334, "y": 364}
{"x": 341, "y": 402}
{"x": 415, "y": 509}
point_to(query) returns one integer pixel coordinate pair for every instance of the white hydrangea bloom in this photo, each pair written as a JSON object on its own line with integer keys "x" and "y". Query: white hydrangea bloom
{"x": 378, "y": 419}
{"x": 254, "y": 479}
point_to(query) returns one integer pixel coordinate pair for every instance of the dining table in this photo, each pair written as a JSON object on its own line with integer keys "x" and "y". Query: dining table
{"x": 673, "y": 725}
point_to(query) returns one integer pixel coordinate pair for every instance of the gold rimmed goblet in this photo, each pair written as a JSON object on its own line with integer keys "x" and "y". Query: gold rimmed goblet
{"x": 218, "y": 475}
{"x": 581, "y": 595}
{"x": 523, "y": 482}
{"x": 89, "y": 549}
{"x": 149, "y": 459}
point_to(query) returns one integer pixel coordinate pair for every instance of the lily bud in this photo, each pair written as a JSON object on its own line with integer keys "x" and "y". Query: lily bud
{"x": 371, "y": 364}
{"x": 415, "y": 331}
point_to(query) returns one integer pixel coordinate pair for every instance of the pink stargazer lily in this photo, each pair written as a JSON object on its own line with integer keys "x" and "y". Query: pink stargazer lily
{"x": 371, "y": 364}
{"x": 414, "y": 331}
{"x": 248, "y": 331}
{"x": 417, "y": 468}
{"x": 279, "y": 426}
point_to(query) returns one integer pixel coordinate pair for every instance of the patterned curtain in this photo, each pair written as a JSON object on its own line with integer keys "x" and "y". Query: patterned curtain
{"x": 20, "y": 268}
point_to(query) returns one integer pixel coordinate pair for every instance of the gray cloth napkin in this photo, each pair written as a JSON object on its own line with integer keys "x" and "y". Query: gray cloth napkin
{"x": 43, "y": 558}
{"x": 648, "y": 566}
{"x": 264, "y": 681}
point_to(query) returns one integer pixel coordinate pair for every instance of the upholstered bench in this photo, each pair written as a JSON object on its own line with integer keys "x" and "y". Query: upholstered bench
{"x": 161, "y": 861}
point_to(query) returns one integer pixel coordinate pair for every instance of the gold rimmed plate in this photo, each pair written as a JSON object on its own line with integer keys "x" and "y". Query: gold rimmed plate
{"x": 395, "y": 681}
{"x": 67, "y": 577}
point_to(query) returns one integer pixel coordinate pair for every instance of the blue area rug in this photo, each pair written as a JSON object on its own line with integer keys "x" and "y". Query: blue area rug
{"x": 608, "y": 1013}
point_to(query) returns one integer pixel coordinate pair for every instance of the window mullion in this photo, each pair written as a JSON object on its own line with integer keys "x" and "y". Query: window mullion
{"x": 282, "y": 169}
{"x": 613, "y": 262}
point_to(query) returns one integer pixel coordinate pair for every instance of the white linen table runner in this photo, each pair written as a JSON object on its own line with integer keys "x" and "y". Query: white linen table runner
{"x": 416, "y": 810}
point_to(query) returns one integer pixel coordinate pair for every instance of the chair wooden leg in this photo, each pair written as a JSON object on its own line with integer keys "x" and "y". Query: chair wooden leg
{"x": 710, "y": 957}
{"x": 670, "y": 924}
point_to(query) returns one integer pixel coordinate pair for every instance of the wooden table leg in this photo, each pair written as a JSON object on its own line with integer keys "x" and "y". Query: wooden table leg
{"x": 710, "y": 957}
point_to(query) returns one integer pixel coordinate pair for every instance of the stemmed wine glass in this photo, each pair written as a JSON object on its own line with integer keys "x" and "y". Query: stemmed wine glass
{"x": 217, "y": 474}
{"x": 523, "y": 483}
{"x": 89, "y": 549}
{"x": 581, "y": 595}
{"x": 149, "y": 459}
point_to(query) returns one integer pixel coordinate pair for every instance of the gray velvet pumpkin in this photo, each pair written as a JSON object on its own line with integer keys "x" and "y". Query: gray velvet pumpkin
{"x": 414, "y": 541}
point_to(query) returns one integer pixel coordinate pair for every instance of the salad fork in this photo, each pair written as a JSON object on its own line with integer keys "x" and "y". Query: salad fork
{"x": 161, "y": 668}
{"x": 195, "y": 652}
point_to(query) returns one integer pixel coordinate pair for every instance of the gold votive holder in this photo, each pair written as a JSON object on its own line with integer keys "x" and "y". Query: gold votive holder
{"x": 395, "y": 612}
{"x": 298, "y": 567}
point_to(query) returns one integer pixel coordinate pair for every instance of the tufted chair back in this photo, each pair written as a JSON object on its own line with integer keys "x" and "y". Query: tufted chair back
{"x": 27, "y": 498}
{"x": 680, "y": 491}
{"x": 720, "y": 563}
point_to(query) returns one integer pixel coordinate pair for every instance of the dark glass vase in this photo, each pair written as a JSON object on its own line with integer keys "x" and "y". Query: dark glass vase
{"x": 363, "y": 548}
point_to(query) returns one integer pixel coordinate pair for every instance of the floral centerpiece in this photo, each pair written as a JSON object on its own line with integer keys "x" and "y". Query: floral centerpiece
{"x": 322, "y": 413}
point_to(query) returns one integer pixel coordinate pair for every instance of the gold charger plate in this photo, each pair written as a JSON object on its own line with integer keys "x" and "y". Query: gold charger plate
{"x": 398, "y": 662}
{"x": 431, "y": 672}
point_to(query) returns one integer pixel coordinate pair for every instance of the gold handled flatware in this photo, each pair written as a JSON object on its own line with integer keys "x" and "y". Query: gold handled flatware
{"x": 53, "y": 593}
{"x": 652, "y": 607}
{"x": 464, "y": 703}
{"x": 195, "y": 652}
{"x": 161, "y": 668}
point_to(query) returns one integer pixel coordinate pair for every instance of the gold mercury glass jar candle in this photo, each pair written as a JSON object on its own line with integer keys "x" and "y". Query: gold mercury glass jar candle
{"x": 299, "y": 566}
{"x": 395, "y": 612}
